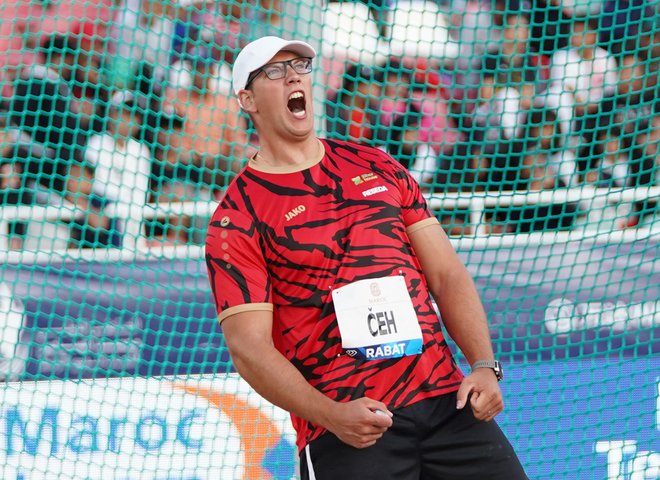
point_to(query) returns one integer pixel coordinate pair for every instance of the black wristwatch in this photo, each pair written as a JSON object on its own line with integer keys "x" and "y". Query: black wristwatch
{"x": 492, "y": 364}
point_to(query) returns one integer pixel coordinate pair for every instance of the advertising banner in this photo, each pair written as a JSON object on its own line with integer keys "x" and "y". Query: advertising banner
{"x": 594, "y": 426}
{"x": 83, "y": 320}
{"x": 570, "y": 300}
{"x": 147, "y": 429}
{"x": 151, "y": 318}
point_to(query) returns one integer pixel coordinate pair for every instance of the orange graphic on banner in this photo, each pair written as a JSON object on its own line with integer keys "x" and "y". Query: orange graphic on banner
{"x": 258, "y": 433}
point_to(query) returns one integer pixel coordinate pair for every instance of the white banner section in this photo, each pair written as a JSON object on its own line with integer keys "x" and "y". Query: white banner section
{"x": 147, "y": 429}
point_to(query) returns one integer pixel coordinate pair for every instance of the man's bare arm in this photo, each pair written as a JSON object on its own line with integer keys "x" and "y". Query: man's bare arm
{"x": 248, "y": 336}
{"x": 463, "y": 315}
{"x": 453, "y": 289}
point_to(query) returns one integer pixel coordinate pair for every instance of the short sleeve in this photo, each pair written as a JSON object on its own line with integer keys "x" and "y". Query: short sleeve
{"x": 413, "y": 204}
{"x": 236, "y": 267}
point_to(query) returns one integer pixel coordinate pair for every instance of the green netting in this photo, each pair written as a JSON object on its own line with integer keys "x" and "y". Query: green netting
{"x": 531, "y": 126}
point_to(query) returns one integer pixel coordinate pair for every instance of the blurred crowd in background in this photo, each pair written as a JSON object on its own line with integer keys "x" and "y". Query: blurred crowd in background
{"x": 130, "y": 102}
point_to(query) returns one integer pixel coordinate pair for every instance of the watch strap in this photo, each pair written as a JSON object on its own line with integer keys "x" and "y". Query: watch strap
{"x": 494, "y": 365}
{"x": 484, "y": 364}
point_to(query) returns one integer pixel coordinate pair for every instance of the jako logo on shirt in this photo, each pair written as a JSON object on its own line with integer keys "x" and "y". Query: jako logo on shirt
{"x": 294, "y": 212}
{"x": 373, "y": 191}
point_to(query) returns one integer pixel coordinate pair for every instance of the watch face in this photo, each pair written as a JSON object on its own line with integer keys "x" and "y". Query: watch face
{"x": 499, "y": 373}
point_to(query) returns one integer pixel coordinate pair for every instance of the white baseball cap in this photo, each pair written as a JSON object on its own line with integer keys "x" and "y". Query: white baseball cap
{"x": 258, "y": 53}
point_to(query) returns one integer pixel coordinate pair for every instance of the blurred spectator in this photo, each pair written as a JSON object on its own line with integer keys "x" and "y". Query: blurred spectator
{"x": 90, "y": 35}
{"x": 518, "y": 66}
{"x": 403, "y": 139}
{"x": 142, "y": 33}
{"x": 173, "y": 175}
{"x": 546, "y": 141}
{"x": 351, "y": 112}
{"x": 417, "y": 86}
{"x": 230, "y": 27}
{"x": 471, "y": 26}
{"x": 542, "y": 25}
{"x": 13, "y": 188}
{"x": 550, "y": 26}
{"x": 514, "y": 33}
{"x": 380, "y": 11}
{"x": 145, "y": 35}
{"x": 182, "y": 71}
{"x": 44, "y": 109}
{"x": 152, "y": 93}
{"x": 189, "y": 30}
{"x": 519, "y": 63}
{"x": 81, "y": 70}
{"x": 500, "y": 113}
{"x": 225, "y": 27}
{"x": 171, "y": 163}
{"x": 121, "y": 169}
{"x": 642, "y": 138}
{"x": 648, "y": 45}
{"x": 212, "y": 137}
{"x": 395, "y": 94}
{"x": 581, "y": 76}
{"x": 629, "y": 130}
{"x": 526, "y": 163}
{"x": 430, "y": 91}
{"x": 404, "y": 144}
{"x": 25, "y": 24}
{"x": 632, "y": 93}
{"x": 476, "y": 131}
{"x": 44, "y": 106}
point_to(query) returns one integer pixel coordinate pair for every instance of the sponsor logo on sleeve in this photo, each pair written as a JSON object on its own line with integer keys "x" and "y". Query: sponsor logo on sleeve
{"x": 365, "y": 177}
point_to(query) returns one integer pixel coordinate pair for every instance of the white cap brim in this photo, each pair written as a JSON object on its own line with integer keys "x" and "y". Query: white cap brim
{"x": 259, "y": 52}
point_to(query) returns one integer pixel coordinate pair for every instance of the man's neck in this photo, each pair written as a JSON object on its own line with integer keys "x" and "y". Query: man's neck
{"x": 280, "y": 153}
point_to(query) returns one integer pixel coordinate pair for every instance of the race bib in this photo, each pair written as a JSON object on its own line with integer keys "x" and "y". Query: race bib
{"x": 377, "y": 319}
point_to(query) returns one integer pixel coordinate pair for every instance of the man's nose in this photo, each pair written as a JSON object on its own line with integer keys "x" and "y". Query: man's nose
{"x": 291, "y": 74}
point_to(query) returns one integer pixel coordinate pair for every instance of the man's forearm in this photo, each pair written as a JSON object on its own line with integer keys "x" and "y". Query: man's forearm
{"x": 279, "y": 382}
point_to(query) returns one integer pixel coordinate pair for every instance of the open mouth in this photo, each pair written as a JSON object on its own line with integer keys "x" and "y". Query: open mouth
{"x": 296, "y": 104}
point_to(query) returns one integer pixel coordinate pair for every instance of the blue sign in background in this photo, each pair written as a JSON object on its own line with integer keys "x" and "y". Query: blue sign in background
{"x": 564, "y": 393}
{"x": 99, "y": 319}
{"x": 557, "y": 411}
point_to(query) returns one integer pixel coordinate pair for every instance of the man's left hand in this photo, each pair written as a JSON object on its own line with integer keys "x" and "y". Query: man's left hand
{"x": 483, "y": 391}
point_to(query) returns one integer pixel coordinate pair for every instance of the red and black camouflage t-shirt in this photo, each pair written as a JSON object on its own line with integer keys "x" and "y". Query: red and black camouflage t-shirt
{"x": 282, "y": 241}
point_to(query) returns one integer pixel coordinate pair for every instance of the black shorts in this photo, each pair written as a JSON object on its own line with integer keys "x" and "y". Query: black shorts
{"x": 430, "y": 440}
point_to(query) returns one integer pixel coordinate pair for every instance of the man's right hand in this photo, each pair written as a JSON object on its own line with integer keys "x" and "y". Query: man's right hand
{"x": 359, "y": 423}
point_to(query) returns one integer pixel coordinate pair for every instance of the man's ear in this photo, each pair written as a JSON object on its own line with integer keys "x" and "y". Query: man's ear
{"x": 246, "y": 100}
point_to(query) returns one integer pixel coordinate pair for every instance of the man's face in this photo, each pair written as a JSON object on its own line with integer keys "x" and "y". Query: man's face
{"x": 285, "y": 104}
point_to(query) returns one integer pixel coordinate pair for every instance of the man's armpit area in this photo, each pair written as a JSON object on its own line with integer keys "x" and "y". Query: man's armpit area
{"x": 422, "y": 224}
{"x": 246, "y": 307}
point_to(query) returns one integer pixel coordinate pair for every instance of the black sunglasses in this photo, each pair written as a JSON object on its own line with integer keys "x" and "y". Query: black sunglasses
{"x": 277, "y": 70}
